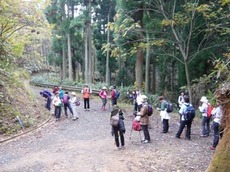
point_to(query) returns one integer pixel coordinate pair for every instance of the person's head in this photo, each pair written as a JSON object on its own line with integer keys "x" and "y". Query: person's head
{"x": 204, "y": 99}
{"x": 86, "y": 85}
{"x": 161, "y": 98}
{"x": 73, "y": 94}
{"x": 41, "y": 93}
{"x": 66, "y": 92}
{"x": 143, "y": 98}
{"x": 60, "y": 87}
{"x": 138, "y": 92}
{"x": 104, "y": 88}
{"x": 186, "y": 99}
{"x": 182, "y": 93}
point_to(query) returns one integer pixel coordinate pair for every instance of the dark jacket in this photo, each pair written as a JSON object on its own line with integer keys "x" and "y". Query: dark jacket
{"x": 121, "y": 125}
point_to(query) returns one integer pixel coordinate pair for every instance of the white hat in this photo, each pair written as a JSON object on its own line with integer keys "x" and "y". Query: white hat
{"x": 204, "y": 99}
{"x": 73, "y": 93}
{"x": 144, "y": 98}
{"x": 104, "y": 88}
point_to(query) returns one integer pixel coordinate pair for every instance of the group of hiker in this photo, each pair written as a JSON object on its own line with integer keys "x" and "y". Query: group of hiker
{"x": 58, "y": 98}
{"x": 186, "y": 112}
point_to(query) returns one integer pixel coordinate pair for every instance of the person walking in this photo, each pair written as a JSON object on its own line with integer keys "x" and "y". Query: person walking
{"x": 217, "y": 114}
{"x": 103, "y": 96}
{"x": 119, "y": 130}
{"x": 205, "y": 122}
{"x": 164, "y": 114}
{"x": 66, "y": 104}
{"x": 73, "y": 101}
{"x": 184, "y": 121}
{"x": 144, "y": 119}
{"x": 57, "y": 106}
{"x": 86, "y": 91}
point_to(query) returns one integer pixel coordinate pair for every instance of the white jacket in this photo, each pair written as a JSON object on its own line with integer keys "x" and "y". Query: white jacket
{"x": 217, "y": 114}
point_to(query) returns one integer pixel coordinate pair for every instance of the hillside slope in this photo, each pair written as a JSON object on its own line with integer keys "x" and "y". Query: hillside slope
{"x": 17, "y": 100}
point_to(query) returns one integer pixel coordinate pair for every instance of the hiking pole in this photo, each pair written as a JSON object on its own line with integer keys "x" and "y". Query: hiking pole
{"x": 131, "y": 133}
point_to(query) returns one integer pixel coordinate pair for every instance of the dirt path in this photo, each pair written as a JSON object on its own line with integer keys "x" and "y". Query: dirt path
{"x": 87, "y": 145}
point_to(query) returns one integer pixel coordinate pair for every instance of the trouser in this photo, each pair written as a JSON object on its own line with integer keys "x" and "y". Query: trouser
{"x": 146, "y": 132}
{"x": 57, "y": 111}
{"x": 114, "y": 101}
{"x": 118, "y": 133}
{"x": 86, "y": 103}
{"x": 165, "y": 124}
{"x": 75, "y": 114}
{"x": 48, "y": 103}
{"x": 216, "y": 133}
{"x": 181, "y": 128}
{"x": 205, "y": 123}
{"x": 67, "y": 105}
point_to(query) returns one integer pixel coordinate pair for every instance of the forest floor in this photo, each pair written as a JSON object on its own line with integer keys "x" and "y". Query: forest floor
{"x": 87, "y": 145}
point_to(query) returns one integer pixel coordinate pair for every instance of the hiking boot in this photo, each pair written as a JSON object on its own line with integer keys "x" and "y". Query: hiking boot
{"x": 122, "y": 147}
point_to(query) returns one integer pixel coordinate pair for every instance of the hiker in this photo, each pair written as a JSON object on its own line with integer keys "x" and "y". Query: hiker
{"x": 57, "y": 106}
{"x": 103, "y": 96}
{"x": 48, "y": 96}
{"x": 73, "y": 101}
{"x": 86, "y": 94}
{"x": 164, "y": 114}
{"x": 144, "y": 119}
{"x": 217, "y": 114}
{"x": 138, "y": 100}
{"x": 66, "y": 103}
{"x": 205, "y": 122}
{"x": 55, "y": 89}
{"x": 185, "y": 121}
{"x": 113, "y": 95}
{"x": 119, "y": 130}
{"x": 181, "y": 99}
{"x": 61, "y": 92}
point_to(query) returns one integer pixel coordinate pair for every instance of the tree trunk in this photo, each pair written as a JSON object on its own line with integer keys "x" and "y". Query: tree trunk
{"x": 139, "y": 68}
{"x": 86, "y": 53}
{"x": 147, "y": 63}
{"x": 64, "y": 64}
{"x": 69, "y": 57}
{"x": 107, "y": 76}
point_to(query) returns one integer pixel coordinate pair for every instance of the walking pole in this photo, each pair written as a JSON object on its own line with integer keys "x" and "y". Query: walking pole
{"x": 131, "y": 133}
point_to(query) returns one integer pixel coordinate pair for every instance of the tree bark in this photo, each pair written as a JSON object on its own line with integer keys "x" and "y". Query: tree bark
{"x": 139, "y": 68}
{"x": 147, "y": 63}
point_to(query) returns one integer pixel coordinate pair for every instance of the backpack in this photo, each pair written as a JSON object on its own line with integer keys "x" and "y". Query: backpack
{"x": 114, "y": 119}
{"x": 48, "y": 93}
{"x": 117, "y": 94}
{"x": 65, "y": 99}
{"x": 209, "y": 110}
{"x": 136, "y": 125}
{"x": 150, "y": 110}
{"x": 169, "y": 107}
{"x": 77, "y": 103}
{"x": 189, "y": 113}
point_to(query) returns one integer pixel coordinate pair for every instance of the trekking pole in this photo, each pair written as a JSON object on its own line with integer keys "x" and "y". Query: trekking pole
{"x": 131, "y": 133}
{"x": 109, "y": 107}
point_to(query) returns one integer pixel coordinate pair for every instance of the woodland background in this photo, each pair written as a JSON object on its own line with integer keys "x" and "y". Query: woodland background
{"x": 158, "y": 46}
